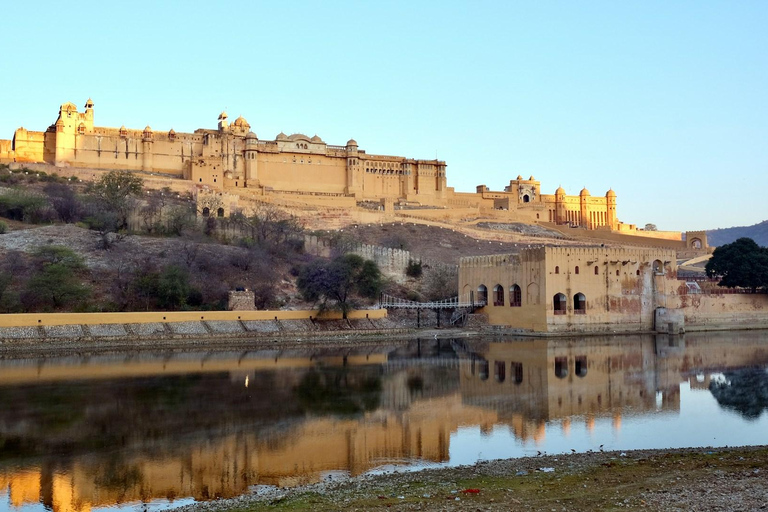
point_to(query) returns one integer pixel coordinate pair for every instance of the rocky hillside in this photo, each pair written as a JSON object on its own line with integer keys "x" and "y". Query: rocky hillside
{"x": 757, "y": 232}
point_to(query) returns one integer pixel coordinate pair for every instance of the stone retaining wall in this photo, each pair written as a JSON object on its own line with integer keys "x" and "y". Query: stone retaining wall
{"x": 198, "y": 329}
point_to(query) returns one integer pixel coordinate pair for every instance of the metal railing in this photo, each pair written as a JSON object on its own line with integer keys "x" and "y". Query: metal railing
{"x": 465, "y": 301}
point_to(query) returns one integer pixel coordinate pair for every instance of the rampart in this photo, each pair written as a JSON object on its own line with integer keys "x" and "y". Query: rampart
{"x": 141, "y": 327}
{"x": 715, "y": 311}
{"x": 391, "y": 261}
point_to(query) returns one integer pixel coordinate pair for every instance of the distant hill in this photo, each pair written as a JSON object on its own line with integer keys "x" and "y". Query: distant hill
{"x": 757, "y": 232}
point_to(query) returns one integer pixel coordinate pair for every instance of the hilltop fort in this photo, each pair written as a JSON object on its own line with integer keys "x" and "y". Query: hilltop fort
{"x": 234, "y": 165}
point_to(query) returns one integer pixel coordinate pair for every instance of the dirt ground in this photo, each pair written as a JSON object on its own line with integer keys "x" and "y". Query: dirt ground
{"x": 665, "y": 480}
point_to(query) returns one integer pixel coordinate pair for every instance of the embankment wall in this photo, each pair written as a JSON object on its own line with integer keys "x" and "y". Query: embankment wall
{"x": 704, "y": 312}
{"x": 136, "y": 317}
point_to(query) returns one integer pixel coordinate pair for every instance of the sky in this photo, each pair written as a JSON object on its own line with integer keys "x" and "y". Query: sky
{"x": 665, "y": 102}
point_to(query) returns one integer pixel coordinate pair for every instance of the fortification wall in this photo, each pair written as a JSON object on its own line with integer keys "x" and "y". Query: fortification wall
{"x": 605, "y": 235}
{"x": 392, "y": 262}
{"x": 727, "y": 311}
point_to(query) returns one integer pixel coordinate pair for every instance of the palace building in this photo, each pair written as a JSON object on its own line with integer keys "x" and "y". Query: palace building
{"x": 231, "y": 158}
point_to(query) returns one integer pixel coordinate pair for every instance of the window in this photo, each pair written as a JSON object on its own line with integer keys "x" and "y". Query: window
{"x": 516, "y": 369}
{"x": 498, "y": 295}
{"x": 580, "y": 366}
{"x": 557, "y": 269}
{"x": 482, "y": 294}
{"x": 559, "y": 304}
{"x": 515, "y": 296}
{"x": 617, "y": 271}
{"x": 638, "y": 271}
{"x": 576, "y": 270}
{"x": 220, "y": 212}
{"x": 206, "y": 211}
{"x": 500, "y": 371}
{"x": 597, "y": 271}
{"x": 579, "y": 304}
{"x": 561, "y": 367}
{"x": 483, "y": 370}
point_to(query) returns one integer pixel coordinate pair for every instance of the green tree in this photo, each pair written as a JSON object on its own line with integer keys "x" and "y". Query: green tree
{"x": 55, "y": 283}
{"x": 116, "y": 192}
{"x": 742, "y": 263}
{"x": 336, "y": 283}
{"x": 173, "y": 287}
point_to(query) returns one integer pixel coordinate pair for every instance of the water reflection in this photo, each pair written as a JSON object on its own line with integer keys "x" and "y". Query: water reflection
{"x": 83, "y": 432}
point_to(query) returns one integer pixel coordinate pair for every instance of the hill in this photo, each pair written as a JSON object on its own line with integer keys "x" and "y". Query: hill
{"x": 757, "y": 232}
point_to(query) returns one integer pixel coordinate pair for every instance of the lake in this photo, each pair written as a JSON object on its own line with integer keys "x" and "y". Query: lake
{"x": 151, "y": 430}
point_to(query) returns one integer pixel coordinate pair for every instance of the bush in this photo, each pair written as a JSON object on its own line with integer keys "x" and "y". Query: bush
{"x": 25, "y": 207}
{"x": 414, "y": 269}
{"x": 3, "y": 228}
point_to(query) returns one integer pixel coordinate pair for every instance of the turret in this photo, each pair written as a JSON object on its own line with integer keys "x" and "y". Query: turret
{"x": 584, "y": 208}
{"x": 251, "y": 160}
{"x": 610, "y": 200}
{"x": 146, "y": 149}
{"x": 66, "y": 128}
{"x": 240, "y": 126}
{"x": 223, "y": 124}
{"x": 560, "y": 209}
{"x": 88, "y": 116}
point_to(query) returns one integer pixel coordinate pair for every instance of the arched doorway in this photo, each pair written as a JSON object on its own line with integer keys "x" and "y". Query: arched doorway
{"x": 498, "y": 295}
{"x": 220, "y": 212}
{"x": 206, "y": 211}
{"x": 526, "y": 198}
{"x": 482, "y": 294}
{"x": 559, "y": 303}
{"x": 515, "y": 296}
{"x": 579, "y": 304}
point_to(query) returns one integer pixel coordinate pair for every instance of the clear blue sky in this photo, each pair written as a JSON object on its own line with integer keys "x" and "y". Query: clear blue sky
{"x": 666, "y": 102}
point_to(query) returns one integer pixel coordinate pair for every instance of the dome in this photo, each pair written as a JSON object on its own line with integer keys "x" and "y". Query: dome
{"x": 281, "y": 136}
{"x": 250, "y": 136}
{"x": 240, "y": 121}
{"x": 171, "y": 132}
{"x": 298, "y": 136}
{"x": 584, "y": 192}
{"x": 560, "y": 191}
{"x": 351, "y": 142}
{"x": 519, "y": 178}
{"x": 147, "y": 129}
{"x": 610, "y": 193}
{"x": 316, "y": 139}
{"x": 223, "y": 116}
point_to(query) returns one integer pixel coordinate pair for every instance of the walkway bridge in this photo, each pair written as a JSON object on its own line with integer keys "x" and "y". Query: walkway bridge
{"x": 461, "y": 305}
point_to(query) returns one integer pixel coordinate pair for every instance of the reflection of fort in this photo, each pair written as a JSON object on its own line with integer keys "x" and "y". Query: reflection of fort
{"x": 529, "y": 383}
{"x": 226, "y": 467}
{"x": 418, "y": 409}
{"x": 216, "y": 437}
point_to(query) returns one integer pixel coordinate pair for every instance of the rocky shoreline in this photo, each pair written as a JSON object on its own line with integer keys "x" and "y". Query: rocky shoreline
{"x": 675, "y": 479}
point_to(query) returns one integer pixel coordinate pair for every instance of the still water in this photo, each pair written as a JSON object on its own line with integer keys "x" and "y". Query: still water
{"x": 146, "y": 431}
